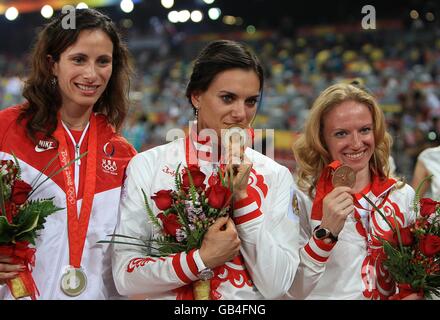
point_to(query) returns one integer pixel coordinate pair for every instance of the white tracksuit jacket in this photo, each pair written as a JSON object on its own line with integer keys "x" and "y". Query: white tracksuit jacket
{"x": 348, "y": 270}
{"x": 52, "y": 255}
{"x": 265, "y": 223}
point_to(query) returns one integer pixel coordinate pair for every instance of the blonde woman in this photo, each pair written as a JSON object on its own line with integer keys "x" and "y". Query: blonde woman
{"x": 340, "y": 255}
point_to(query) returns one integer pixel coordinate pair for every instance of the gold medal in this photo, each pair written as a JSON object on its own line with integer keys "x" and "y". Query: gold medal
{"x": 344, "y": 176}
{"x": 73, "y": 282}
{"x": 235, "y": 139}
{"x": 236, "y": 134}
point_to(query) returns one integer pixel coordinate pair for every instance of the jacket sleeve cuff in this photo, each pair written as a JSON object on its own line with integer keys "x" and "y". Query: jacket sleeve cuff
{"x": 185, "y": 266}
{"x": 198, "y": 260}
{"x": 246, "y": 210}
{"x": 318, "y": 250}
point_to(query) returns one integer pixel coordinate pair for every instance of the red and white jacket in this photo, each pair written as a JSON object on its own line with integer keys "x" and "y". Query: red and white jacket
{"x": 52, "y": 254}
{"x": 351, "y": 268}
{"x": 268, "y": 230}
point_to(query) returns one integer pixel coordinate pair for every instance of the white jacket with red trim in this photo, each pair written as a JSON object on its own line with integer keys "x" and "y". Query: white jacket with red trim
{"x": 52, "y": 254}
{"x": 265, "y": 223}
{"x": 347, "y": 269}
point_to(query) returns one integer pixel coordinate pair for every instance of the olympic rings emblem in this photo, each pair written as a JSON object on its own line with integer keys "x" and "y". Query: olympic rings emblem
{"x": 109, "y": 166}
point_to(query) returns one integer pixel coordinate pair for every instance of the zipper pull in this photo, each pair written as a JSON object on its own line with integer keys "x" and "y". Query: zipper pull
{"x": 77, "y": 155}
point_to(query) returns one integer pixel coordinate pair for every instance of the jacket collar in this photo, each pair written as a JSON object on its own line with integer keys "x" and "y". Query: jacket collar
{"x": 381, "y": 186}
{"x": 205, "y": 148}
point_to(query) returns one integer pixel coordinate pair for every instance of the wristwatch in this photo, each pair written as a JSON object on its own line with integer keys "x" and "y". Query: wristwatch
{"x": 323, "y": 233}
{"x": 206, "y": 274}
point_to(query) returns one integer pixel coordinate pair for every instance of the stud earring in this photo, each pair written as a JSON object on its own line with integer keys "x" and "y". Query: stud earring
{"x": 53, "y": 82}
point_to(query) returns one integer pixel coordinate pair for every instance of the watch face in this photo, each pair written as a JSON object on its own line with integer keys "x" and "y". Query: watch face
{"x": 206, "y": 274}
{"x": 321, "y": 233}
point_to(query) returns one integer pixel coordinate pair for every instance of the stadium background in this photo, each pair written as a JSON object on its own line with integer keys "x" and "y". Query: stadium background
{"x": 304, "y": 46}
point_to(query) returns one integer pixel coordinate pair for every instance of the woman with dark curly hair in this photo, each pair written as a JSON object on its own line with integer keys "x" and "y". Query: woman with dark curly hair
{"x": 77, "y": 99}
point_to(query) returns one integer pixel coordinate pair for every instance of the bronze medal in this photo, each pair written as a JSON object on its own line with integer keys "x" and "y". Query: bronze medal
{"x": 344, "y": 176}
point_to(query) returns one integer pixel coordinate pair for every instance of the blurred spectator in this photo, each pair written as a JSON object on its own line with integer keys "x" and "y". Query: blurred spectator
{"x": 428, "y": 164}
{"x": 400, "y": 66}
{"x": 136, "y": 130}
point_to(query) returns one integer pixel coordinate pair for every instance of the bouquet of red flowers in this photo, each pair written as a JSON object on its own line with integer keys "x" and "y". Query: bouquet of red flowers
{"x": 188, "y": 211}
{"x": 412, "y": 254}
{"x": 186, "y": 214}
{"x": 20, "y": 219}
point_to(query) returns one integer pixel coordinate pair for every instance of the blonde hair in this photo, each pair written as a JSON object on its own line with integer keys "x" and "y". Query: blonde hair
{"x": 309, "y": 149}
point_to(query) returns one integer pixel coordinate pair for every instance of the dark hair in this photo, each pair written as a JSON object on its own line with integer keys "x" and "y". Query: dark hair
{"x": 219, "y": 56}
{"x": 44, "y": 99}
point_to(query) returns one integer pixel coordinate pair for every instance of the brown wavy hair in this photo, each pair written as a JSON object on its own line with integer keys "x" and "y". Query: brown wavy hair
{"x": 44, "y": 99}
{"x": 310, "y": 150}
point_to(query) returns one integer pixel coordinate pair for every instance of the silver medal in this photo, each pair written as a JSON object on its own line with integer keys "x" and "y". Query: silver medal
{"x": 73, "y": 282}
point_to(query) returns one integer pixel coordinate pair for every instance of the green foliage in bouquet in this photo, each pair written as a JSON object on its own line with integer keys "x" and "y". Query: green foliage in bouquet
{"x": 412, "y": 253}
{"x": 186, "y": 213}
{"x": 21, "y": 218}
{"x": 29, "y": 219}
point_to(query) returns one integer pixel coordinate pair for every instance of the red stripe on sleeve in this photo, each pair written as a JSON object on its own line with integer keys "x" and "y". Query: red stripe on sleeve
{"x": 314, "y": 255}
{"x": 178, "y": 268}
{"x": 191, "y": 263}
{"x": 247, "y": 217}
{"x": 324, "y": 246}
{"x": 243, "y": 202}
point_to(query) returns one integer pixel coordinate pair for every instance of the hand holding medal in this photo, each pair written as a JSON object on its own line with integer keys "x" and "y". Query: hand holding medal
{"x": 338, "y": 204}
{"x": 235, "y": 140}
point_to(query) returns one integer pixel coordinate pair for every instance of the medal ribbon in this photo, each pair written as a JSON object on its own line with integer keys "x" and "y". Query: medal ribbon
{"x": 372, "y": 264}
{"x": 192, "y": 158}
{"x": 193, "y": 154}
{"x": 323, "y": 187}
{"x": 77, "y": 226}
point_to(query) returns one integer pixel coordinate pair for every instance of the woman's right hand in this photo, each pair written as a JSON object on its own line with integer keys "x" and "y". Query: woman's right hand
{"x": 336, "y": 206}
{"x": 8, "y": 270}
{"x": 220, "y": 243}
